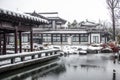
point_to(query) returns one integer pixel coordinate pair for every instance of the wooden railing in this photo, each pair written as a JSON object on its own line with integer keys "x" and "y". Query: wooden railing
{"x": 27, "y": 56}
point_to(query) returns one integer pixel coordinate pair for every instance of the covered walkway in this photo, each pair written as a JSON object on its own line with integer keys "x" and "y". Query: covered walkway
{"x": 12, "y": 22}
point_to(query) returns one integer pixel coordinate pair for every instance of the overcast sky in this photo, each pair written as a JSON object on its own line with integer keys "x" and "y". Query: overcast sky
{"x": 93, "y": 10}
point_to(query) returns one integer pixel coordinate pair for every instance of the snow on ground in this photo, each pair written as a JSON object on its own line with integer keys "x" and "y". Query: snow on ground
{"x": 64, "y": 48}
{"x": 69, "y": 48}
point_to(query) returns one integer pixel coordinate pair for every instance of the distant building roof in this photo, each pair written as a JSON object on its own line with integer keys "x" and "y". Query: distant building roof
{"x": 57, "y": 19}
{"x": 53, "y": 16}
{"x": 88, "y": 24}
{"x": 50, "y": 16}
{"x": 37, "y": 15}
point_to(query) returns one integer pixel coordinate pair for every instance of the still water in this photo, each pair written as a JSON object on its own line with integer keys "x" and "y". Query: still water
{"x": 70, "y": 67}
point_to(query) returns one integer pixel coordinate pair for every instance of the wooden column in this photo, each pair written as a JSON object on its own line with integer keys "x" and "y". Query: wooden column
{"x": 28, "y": 35}
{"x": 0, "y": 44}
{"x": 61, "y": 38}
{"x": 41, "y": 38}
{"x": 79, "y": 39}
{"x": 100, "y": 37}
{"x": 90, "y": 38}
{"x": 20, "y": 42}
{"x": 51, "y": 38}
{"x": 15, "y": 37}
{"x": 4, "y": 44}
{"x": 31, "y": 40}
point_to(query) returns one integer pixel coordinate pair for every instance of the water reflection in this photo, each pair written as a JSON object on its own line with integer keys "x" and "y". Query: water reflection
{"x": 34, "y": 72}
{"x": 72, "y": 67}
{"x": 89, "y": 66}
{"x": 116, "y": 60}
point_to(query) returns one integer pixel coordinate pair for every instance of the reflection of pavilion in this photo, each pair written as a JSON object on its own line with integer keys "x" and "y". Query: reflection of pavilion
{"x": 35, "y": 72}
{"x": 12, "y": 22}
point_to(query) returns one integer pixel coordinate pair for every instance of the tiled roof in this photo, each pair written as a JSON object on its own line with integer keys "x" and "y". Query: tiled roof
{"x": 24, "y": 16}
{"x": 37, "y": 15}
{"x": 88, "y": 23}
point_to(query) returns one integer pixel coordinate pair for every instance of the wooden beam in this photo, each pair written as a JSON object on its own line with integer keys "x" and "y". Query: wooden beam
{"x": 24, "y": 28}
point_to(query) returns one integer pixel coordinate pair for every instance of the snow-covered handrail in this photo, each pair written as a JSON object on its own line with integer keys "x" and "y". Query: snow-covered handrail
{"x": 22, "y": 56}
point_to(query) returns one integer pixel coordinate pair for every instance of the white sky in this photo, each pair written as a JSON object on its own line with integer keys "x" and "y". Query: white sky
{"x": 93, "y": 10}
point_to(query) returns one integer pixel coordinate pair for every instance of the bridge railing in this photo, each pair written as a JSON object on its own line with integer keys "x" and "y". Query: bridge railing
{"x": 27, "y": 56}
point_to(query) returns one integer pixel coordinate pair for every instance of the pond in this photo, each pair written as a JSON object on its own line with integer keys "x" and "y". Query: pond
{"x": 70, "y": 67}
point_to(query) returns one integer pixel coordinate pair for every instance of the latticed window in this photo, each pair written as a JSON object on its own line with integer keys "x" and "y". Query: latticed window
{"x": 56, "y": 37}
{"x": 75, "y": 38}
{"x": 84, "y": 37}
{"x": 65, "y": 37}
{"x": 46, "y": 37}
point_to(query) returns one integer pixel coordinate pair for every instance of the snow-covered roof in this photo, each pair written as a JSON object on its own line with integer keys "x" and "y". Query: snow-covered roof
{"x": 53, "y": 16}
{"x": 49, "y": 14}
{"x": 65, "y": 32}
{"x": 25, "y": 16}
{"x": 88, "y": 23}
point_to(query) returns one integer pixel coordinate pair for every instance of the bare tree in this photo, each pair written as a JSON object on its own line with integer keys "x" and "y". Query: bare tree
{"x": 112, "y": 5}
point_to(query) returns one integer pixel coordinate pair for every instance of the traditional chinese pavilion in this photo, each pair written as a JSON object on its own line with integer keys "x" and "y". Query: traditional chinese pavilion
{"x": 16, "y": 23}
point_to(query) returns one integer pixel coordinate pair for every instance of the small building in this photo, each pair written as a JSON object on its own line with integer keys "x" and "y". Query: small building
{"x": 56, "y": 33}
